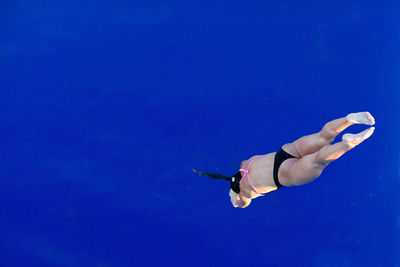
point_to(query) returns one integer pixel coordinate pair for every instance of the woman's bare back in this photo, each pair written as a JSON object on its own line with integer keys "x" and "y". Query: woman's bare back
{"x": 261, "y": 175}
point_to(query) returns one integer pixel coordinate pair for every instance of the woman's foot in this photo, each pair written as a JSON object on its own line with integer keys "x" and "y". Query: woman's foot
{"x": 361, "y": 118}
{"x": 355, "y": 139}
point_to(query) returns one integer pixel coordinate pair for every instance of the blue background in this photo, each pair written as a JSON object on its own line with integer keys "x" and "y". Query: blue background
{"x": 107, "y": 105}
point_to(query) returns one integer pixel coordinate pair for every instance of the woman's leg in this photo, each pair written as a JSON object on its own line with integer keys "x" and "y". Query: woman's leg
{"x": 312, "y": 143}
{"x": 309, "y": 167}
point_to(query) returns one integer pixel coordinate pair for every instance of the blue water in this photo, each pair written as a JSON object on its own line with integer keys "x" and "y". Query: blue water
{"x": 107, "y": 105}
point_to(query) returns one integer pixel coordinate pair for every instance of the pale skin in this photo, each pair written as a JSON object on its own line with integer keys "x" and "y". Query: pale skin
{"x": 313, "y": 153}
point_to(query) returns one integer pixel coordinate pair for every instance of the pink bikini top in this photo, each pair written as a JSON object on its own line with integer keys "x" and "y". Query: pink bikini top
{"x": 248, "y": 175}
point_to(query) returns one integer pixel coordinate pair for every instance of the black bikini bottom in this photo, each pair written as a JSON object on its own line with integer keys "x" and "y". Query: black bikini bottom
{"x": 280, "y": 157}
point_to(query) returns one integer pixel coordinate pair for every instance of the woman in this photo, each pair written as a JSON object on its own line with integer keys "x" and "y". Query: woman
{"x": 296, "y": 163}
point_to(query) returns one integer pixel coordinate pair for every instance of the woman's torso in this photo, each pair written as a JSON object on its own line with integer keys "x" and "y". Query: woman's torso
{"x": 261, "y": 175}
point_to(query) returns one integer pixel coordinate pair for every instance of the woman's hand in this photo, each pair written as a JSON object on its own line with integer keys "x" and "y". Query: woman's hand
{"x": 239, "y": 201}
{"x": 234, "y": 198}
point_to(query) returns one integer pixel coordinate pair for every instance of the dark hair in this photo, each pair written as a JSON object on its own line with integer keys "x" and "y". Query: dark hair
{"x": 235, "y": 179}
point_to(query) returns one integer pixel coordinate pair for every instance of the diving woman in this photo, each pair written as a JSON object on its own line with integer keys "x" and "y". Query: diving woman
{"x": 296, "y": 163}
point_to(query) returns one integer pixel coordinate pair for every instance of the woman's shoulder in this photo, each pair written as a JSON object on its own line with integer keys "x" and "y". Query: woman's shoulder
{"x": 243, "y": 164}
